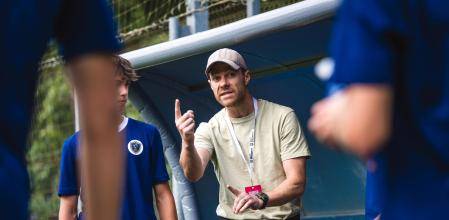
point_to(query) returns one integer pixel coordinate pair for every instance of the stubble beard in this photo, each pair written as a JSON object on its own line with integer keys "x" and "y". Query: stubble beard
{"x": 239, "y": 99}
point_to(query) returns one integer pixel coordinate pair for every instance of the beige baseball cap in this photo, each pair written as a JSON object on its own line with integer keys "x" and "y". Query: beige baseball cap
{"x": 228, "y": 56}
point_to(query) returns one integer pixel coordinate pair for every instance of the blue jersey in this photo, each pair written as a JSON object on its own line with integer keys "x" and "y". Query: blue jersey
{"x": 375, "y": 187}
{"x": 404, "y": 44}
{"x": 80, "y": 26}
{"x": 145, "y": 167}
{"x": 374, "y": 190}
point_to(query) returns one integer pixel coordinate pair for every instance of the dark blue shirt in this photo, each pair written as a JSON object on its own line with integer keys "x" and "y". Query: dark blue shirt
{"x": 404, "y": 44}
{"x": 80, "y": 26}
{"x": 145, "y": 167}
{"x": 375, "y": 174}
{"x": 375, "y": 187}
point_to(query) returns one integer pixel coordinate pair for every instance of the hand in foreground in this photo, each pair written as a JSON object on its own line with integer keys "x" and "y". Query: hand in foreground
{"x": 326, "y": 117}
{"x": 243, "y": 201}
{"x": 185, "y": 124}
{"x": 357, "y": 119}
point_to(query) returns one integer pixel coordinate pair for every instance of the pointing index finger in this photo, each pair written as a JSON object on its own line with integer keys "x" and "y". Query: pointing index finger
{"x": 177, "y": 109}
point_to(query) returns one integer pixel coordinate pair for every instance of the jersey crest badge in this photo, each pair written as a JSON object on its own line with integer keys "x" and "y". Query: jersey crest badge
{"x": 135, "y": 147}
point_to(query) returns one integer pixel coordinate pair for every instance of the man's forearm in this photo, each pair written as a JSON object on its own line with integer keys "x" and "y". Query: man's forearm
{"x": 285, "y": 192}
{"x": 191, "y": 162}
{"x": 294, "y": 184}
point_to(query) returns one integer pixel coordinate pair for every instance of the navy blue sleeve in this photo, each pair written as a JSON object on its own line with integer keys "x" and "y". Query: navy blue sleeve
{"x": 158, "y": 160}
{"x": 86, "y": 26}
{"x": 68, "y": 180}
{"x": 375, "y": 188}
{"x": 363, "y": 44}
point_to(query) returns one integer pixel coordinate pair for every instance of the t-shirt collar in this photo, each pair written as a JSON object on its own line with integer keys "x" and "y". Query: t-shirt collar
{"x": 123, "y": 124}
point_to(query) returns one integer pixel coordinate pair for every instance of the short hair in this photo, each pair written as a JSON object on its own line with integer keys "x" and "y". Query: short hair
{"x": 124, "y": 68}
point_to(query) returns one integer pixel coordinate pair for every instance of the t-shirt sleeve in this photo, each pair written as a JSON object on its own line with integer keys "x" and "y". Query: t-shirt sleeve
{"x": 293, "y": 142}
{"x": 158, "y": 160}
{"x": 202, "y": 137}
{"x": 68, "y": 181}
{"x": 365, "y": 42}
{"x": 86, "y": 26}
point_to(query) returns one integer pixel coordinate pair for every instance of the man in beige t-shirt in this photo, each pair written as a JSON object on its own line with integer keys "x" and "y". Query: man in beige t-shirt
{"x": 257, "y": 147}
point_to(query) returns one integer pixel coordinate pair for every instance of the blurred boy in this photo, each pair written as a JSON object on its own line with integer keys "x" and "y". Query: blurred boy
{"x": 145, "y": 164}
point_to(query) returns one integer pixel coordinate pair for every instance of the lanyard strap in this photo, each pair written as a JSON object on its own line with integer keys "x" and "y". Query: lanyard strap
{"x": 252, "y": 138}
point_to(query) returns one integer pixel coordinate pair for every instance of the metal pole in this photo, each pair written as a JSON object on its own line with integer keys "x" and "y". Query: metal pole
{"x": 173, "y": 28}
{"x": 199, "y": 20}
{"x": 252, "y": 7}
{"x": 182, "y": 188}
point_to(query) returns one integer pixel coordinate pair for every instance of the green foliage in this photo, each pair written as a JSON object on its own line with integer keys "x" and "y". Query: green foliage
{"x": 53, "y": 122}
{"x": 132, "y": 112}
{"x": 132, "y": 14}
{"x": 145, "y": 40}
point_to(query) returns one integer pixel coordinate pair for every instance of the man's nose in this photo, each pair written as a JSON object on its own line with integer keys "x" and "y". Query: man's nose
{"x": 224, "y": 82}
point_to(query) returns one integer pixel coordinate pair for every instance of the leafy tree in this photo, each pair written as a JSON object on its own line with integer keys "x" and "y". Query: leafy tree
{"x": 52, "y": 123}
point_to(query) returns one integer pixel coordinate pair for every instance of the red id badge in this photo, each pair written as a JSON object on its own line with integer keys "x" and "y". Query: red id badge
{"x": 253, "y": 190}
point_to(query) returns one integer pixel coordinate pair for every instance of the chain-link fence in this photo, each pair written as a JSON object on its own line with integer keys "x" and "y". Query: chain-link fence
{"x": 144, "y": 23}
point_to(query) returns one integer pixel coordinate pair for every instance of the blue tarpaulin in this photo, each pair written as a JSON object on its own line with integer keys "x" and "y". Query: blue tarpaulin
{"x": 282, "y": 58}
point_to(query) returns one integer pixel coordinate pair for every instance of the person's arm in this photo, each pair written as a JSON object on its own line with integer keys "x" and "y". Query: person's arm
{"x": 367, "y": 56}
{"x": 68, "y": 207}
{"x": 68, "y": 190}
{"x": 294, "y": 152}
{"x": 294, "y": 184}
{"x": 357, "y": 119}
{"x": 192, "y": 160}
{"x": 292, "y": 187}
{"x": 164, "y": 201}
{"x": 102, "y": 158}
{"x": 86, "y": 34}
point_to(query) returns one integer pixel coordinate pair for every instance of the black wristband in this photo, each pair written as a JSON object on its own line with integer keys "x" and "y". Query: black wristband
{"x": 264, "y": 197}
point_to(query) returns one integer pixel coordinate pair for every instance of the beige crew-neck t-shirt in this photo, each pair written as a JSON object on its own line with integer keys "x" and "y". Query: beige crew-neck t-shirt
{"x": 278, "y": 137}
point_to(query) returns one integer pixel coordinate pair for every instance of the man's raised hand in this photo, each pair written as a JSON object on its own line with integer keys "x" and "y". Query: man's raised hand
{"x": 185, "y": 124}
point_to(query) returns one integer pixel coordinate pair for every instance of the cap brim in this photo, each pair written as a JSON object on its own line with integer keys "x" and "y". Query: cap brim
{"x": 229, "y": 62}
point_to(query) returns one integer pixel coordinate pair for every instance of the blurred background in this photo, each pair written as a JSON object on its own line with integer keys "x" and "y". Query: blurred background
{"x": 140, "y": 23}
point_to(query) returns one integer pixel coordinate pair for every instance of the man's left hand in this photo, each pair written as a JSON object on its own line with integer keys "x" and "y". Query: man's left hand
{"x": 244, "y": 201}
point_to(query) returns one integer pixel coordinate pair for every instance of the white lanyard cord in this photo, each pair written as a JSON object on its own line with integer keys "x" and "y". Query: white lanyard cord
{"x": 252, "y": 138}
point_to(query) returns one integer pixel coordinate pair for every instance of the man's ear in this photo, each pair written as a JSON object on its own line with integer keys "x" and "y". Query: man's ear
{"x": 210, "y": 85}
{"x": 247, "y": 76}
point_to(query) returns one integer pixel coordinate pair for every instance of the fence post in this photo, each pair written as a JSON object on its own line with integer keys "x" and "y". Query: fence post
{"x": 252, "y": 7}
